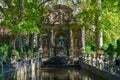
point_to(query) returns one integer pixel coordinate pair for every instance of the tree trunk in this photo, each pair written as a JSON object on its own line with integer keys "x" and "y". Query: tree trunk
{"x": 22, "y": 9}
{"x": 31, "y": 41}
{"x": 12, "y": 42}
{"x": 12, "y": 45}
{"x": 97, "y": 33}
{"x": 19, "y": 44}
{"x": 97, "y": 25}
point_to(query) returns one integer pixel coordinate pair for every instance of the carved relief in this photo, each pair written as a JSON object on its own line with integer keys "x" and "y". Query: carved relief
{"x": 61, "y": 15}
{"x": 52, "y": 17}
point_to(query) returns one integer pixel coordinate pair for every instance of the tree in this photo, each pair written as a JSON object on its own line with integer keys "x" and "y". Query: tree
{"x": 88, "y": 12}
{"x": 118, "y": 47}
{"x": 85, "y": 16}
{"x": 103, "y": 17}
{"x": 23, "y": 17}
{"x": 109, "y": 22}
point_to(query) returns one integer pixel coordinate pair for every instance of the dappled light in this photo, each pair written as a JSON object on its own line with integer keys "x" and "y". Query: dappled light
{"x": 59, "y": 39}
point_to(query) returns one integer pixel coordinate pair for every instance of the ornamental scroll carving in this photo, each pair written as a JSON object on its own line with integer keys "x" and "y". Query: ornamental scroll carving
{"x": 60, "y": 15}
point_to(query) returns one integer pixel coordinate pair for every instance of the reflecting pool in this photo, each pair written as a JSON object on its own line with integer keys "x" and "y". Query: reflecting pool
{"x": 53, "y": 74}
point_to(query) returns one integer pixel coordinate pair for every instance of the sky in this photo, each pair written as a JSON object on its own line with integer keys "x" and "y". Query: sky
{"x": 74, "y": 1}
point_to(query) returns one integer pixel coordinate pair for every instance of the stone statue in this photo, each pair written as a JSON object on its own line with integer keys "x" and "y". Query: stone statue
{"x": 61, "y": 41}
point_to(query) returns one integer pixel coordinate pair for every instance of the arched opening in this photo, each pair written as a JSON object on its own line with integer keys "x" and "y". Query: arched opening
{"x": 60, "y": 43}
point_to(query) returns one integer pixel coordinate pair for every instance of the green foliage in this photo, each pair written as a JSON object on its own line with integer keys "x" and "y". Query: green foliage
{"x": 105, "y": 18}
{"x": 30, "y": 54}
{"x": 104, "y": 47}
{"x": 4, "y": 39}
{"x": 111, "y": 51}
{"x": 111, "y": 47}
{"x": 109, "y": 22}
{"x": 88, "y": 48}
{"x": 15, "y": 53}
{"x": 3, "y": 49}
{"x": 109, "y": 25}
{"x": 28, "y": 14}
{"x": 35, "y": 49}
{"x": 28, "y": 27}
{"x": 23, "y": 55}
{"x": 118, "y": 47}
{"x": 3, "y": 52}
{"x": 86, "y": 14}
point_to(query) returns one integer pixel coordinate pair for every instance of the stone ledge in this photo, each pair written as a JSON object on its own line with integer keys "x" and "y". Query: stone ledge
{"x": 101, "y": 73}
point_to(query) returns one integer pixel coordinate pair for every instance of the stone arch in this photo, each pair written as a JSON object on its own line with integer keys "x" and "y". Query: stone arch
{"x": 59, "y": 34}
{"x": 62, "y": 46}
{"x": 63, "y": 33}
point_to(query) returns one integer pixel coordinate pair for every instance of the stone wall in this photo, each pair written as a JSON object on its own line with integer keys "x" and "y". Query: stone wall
{"x": 104, "y": 75}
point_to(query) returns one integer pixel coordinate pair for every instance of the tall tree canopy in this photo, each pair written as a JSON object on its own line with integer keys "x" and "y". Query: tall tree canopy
{"x": 101, "y": 15}
{"x": 109, "y": 18}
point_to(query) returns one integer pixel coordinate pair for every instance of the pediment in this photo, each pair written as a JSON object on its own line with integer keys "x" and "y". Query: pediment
{"x": 61, "y": 7}
{"x": 60, "y": 14}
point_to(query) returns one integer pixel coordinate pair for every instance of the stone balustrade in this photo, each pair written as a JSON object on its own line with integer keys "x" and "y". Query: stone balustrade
{"x": 21, "y": 67}
{"x": 99, "y": 63}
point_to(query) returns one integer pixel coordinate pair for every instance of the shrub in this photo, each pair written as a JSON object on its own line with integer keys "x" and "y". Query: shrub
{"x": 88, "y": 48}
{"x": 15, "y": 53}
{"x": 35, "y": 49}
{"x": 4, "y": 51}
{"x": 30, "y": 53}
{"x": 23, "y": 55}
{"x": 118, "y": 47}
{"x": 104, "y": 47}
{"x": 3, "y": 48}
{"x": 111, "y": 51}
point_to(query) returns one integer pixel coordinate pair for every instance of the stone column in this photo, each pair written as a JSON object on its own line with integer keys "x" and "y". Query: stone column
{"x": 45, "y": 46}
{"x": 48, "y": 44}
{"x": 52, "y": 37}
{"x": 38, "y": 40}
{"x": 52, "y": 42}
{"x": 48, "y": 39}
{"x": 39, "y": 43}
{"x": 71, "y": 44}
{"x": 82, "y": 40}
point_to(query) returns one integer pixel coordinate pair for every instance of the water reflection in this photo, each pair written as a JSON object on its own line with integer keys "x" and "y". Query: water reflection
{"x": 53, "y": 74}
{"x": 69, "y": 74}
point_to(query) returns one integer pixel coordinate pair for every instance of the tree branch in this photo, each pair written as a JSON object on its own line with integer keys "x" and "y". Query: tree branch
{"x": 44, "y": 2}
{"x": 73, "y": 2}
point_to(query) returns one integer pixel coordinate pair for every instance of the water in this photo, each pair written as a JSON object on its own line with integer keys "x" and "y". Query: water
{"x": 54, "y": 74}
